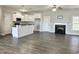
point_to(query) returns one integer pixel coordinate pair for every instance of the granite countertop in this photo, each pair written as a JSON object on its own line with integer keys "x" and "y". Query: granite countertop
{"x": 22, "y": 25}
{"x": 26, "y": 24}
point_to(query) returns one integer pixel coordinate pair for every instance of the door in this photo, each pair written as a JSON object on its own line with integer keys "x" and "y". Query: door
{"x": 46, "y": 23}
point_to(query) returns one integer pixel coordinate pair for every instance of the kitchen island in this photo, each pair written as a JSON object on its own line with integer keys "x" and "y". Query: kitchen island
{"x": 22, "y": 30}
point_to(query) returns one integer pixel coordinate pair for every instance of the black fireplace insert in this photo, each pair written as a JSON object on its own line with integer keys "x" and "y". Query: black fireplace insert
{"x": 60, "y": 29}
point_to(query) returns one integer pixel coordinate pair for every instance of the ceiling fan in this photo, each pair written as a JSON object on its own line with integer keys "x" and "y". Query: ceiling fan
{"x": 55, "y": 7}
{"x": 23, "y": 9}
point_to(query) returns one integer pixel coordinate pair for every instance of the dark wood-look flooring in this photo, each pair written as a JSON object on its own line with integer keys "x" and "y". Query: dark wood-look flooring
{"x": 40, "y": 43}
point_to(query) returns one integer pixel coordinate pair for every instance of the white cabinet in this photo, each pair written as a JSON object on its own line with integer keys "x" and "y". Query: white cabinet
{"x": 37, "y": 15}
{"x": 24, "y": 17}
{"x": 28, "y": 18}
{"x": 31, "y": 18}
{"x": 16, "y": 16}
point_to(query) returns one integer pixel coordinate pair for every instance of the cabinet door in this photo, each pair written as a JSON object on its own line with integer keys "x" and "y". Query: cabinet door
{"x": 25, "y": 18}
{"x": 16, "y": 16}
{"x": 37, "y": 15}
{"x": 31, "y": 18}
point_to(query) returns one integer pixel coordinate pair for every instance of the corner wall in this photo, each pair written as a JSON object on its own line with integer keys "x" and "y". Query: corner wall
{"x": 5, "y": 20}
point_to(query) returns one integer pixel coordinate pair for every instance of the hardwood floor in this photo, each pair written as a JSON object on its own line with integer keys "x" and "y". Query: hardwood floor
{"x": 40, "y": 43}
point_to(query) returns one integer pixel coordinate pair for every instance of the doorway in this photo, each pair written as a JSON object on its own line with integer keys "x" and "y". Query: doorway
{"x": 37, "y": 25}
{"x": 46, "y": 24}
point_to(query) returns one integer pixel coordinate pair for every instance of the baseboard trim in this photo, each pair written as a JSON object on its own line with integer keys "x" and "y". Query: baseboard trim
{"x": 72, "y": 34}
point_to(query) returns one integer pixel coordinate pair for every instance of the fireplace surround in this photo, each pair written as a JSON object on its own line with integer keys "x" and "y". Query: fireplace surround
{"x": 60, "y": 29}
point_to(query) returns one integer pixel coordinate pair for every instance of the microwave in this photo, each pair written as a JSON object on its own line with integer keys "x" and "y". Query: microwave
{"x": 18, "y": 19}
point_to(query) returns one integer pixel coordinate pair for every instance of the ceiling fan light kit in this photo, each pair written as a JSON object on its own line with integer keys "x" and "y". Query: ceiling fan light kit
{"x": 54, "y": 9}
{"x": 23, "y": 10}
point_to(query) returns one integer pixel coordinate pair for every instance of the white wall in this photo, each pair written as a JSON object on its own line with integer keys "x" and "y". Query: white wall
{"x": 6, "y": 20}
{"x": 8, "y": 23}
{"x": 0, "y": 19}
{"x": 67, "y": 19}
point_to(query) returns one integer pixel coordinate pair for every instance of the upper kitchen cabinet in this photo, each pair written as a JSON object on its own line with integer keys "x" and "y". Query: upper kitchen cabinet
{"x": 18, "y": 15}
{"x": 37, "y": 15}
{"x": 28, "y": 18}
{"x": 24, "y": 17}
{"x": 31, "y": 18}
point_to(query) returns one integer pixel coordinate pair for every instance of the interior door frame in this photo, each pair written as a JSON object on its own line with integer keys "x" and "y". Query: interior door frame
{"x": 48, "y": 20}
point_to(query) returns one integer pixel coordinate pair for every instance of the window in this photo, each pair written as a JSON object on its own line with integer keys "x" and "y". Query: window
{"x": 75, "y": 23}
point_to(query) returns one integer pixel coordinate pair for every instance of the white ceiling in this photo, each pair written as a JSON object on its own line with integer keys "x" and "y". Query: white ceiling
{"x": 29, "y": 7}
{"x": 41, "y": 7}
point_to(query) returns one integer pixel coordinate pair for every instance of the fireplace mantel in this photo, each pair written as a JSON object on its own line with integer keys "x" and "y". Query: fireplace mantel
{"x": 60, "y": 24}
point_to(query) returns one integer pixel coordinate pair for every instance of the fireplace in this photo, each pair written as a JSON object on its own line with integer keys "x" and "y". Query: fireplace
{"x": 60, "y": 29}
